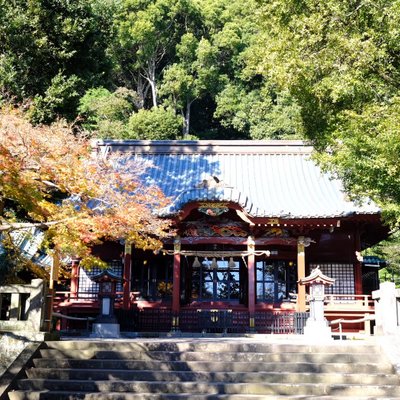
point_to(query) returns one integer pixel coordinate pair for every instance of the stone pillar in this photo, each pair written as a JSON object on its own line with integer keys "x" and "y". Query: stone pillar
{"x": 35, "y": 305}
{"x": 14, "y": 306}
{"x": 176, "y": 284}
{"x": 387, "y": 309}
{"x": 39, "y": 306}
{"x": 127, "y": 276}
{"x": 251, "y": 265}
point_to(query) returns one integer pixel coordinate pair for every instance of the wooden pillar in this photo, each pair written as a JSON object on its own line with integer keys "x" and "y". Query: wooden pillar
{"x": 55, "y": 266}
{"x": 49, "y": 307}
{"x": 127, "y": 276}
{"x": 176, "y": 284}
{"x": 358, "y": 263}
{"x": 301, "y": 273}
{"x": 54, "y": 271}
{"x": 251, "y": 264}
{"x": 74, "y": 278}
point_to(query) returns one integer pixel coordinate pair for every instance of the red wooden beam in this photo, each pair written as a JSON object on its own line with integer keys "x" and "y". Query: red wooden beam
{"x": 127, "y": 276}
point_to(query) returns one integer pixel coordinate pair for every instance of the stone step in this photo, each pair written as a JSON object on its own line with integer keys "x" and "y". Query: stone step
{"x": 210, "y": 346}
{"x": 62, "y": 395}
{"x": 205, "y": 370}
{"x": 212, "y": 356}
{"x": 241, "y": 366}
{"x": 211, "y": 388}
{"x": 223, "y": 377}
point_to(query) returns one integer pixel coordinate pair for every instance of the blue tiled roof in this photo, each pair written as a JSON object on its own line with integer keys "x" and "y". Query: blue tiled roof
{"x": 373, "y": 261}
{"x": 275, "y": 179}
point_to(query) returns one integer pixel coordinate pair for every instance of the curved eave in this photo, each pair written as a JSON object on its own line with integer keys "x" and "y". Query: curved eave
{"x": 233, "y": 196}
{"x": 206, "y": 195}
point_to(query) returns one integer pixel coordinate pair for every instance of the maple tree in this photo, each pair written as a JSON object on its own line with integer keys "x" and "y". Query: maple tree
{"x": 54, "y": 180}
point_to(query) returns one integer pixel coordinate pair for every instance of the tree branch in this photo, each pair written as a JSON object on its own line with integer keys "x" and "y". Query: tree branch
{"x": 14, "y": 226}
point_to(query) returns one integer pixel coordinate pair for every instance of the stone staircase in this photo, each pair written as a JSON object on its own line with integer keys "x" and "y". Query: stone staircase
{"x": 200, "y": 369}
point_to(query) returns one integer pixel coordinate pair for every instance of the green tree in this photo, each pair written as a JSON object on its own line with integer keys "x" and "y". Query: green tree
{"x": 364, "y": 151}
{"x": 59, "y": 98}
{"x": 340, "y": 62}
{"x": 191, "y": 77}
{"x": 52, "y": 51}
{"x": 259, "y": 113}
{"x": 148, "y": 31}
{"x": 389, "y": 250}
{"x": 107, "y": 114}
{"x": 246, "y": 102}
{"x": 156, "y": 124}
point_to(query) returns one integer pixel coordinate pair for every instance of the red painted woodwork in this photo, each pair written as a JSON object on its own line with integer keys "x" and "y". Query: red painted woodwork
{"x": 74, "y": 278}
{"x": 357, "y": 265}
{"x": 176, "y": 283}
{"x": 127, "y": 278}
{"x": 252, "y": 285}
{"x": 334, "y": 240}
{"x": 108, "y": 251}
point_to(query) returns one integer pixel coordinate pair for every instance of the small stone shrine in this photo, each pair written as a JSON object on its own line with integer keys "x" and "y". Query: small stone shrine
{"x": 317, "y": 326}
{"x": 106, "y": 325}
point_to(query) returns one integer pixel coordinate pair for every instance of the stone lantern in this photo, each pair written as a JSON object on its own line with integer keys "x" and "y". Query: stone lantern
{"x": 106, "y": 324}
{"x": 316, "y": 325}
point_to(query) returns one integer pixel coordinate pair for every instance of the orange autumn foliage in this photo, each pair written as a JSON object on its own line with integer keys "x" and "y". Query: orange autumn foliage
{"x": 52, "y": 179}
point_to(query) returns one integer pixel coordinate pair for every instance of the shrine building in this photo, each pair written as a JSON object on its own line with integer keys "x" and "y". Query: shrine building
{"x": 251, "y": 218}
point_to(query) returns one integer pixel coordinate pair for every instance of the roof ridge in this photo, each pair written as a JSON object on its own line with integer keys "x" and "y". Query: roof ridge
{"x": 206, "y": 146}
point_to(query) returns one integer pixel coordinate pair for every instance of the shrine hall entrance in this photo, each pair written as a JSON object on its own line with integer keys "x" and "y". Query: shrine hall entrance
{"x": 226, "y": 280}
{"x": 213, "y": 279}
{"x": 218, "y": 280}
{"x": 275, "y": 281}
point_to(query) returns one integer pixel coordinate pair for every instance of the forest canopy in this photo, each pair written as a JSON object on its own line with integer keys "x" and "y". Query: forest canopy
{"x": 224, "y": 68}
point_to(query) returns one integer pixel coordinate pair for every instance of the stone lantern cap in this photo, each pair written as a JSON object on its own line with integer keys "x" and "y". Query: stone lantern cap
{"x": 317, "y": 276}
{"x": 106, "y": 276}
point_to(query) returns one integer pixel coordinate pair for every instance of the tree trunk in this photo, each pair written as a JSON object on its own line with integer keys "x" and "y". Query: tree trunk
{"x": 142, "y": 87}
{"x": 151, "y": 78}
{"x": 186, "y": 120}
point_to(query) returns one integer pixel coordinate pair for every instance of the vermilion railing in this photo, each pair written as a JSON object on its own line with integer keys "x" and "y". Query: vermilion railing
{"x": 349, "y": 302}
{"x": 157, "y": 319}
{"x": 66, "y": 298}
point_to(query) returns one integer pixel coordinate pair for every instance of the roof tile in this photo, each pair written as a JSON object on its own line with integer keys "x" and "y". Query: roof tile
{"x": 267, "y": 178}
